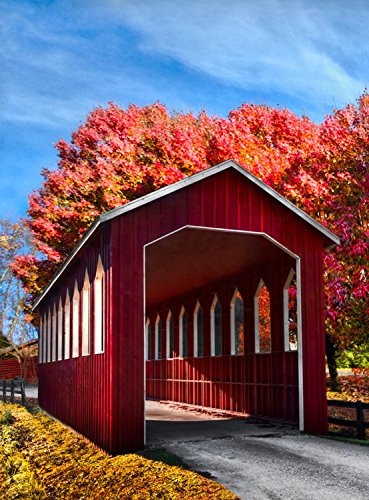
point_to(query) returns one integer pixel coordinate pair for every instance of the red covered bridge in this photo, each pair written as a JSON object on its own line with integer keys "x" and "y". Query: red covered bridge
{"x": 207, "y": 292}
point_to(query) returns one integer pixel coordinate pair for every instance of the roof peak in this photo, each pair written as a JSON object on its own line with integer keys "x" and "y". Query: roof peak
{"x": 166, "y": 190}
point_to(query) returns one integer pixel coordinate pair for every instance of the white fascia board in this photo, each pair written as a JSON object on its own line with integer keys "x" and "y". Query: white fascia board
{"x": 208, "y": 173}
{"x": 71, "y": 256}
{"x": 335, "y": 240}
{"x": 164, "y": 191}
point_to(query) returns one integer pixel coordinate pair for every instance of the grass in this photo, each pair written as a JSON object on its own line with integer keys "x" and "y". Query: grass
{"x": 337, "y": 437}
{"x": 162, "y": 455}
{"x": 41, "y": 458}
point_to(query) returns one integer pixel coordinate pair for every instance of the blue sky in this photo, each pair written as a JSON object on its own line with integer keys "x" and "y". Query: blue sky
{"x": 61, "y": 59}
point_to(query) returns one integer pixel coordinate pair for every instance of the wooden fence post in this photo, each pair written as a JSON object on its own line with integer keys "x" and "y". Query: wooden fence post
{"x": 24, "y": 393}
{"x": 12, "y": 391}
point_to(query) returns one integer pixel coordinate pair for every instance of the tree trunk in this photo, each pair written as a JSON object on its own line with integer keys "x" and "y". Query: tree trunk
{"x": 331, "y": 353}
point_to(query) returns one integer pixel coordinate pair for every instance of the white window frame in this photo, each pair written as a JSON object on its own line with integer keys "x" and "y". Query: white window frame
{"x": 212, "y": 326}
{"x": 60, "y": 331}
{"x": 180, "y": 331}
{"x": 67, "y": 326}
{"x": 169, "y": 354}
{"x": 233, "y": 321}
{"x": 75, "y": 323}
{"x": 196, "y": 330}
{"x": 99, "y": 338}
{"x": 46, "y": 326}
{"x": 256, "y": 318}
{"x": 86, "y": 316}
{"x": 53, "y": 335}
{"x": 147, "y": 343}
{"x": 40, "y": 339}
{"x": 286, "y": 312}
{"x": 48, "y": 338}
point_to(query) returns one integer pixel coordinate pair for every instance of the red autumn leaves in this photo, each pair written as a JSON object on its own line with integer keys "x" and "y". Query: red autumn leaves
{"x": 119, "y": 155}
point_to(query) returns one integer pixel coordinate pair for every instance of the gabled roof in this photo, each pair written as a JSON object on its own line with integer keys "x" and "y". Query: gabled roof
{"x": 188, "y": 181}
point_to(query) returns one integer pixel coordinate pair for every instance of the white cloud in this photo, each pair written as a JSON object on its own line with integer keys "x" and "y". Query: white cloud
{"x": 303, "y": 49}
{"x": 62, "y": 60}
{"x": 55, "y": 71}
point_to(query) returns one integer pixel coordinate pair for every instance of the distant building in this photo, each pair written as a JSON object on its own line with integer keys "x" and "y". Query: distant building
{"x": 19, "y": 362}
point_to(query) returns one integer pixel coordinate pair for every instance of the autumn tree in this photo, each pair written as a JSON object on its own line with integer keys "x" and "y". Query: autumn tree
{"x": 15, "y": 331}
{"x": 119, "y": 155}
{"x": 345, "y": 142}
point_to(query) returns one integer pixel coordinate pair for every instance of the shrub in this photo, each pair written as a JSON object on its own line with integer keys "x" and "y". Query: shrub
{"x": 44, "y": 459}
{"x": 354, "y": 387}
{"x": 6, "y": 417}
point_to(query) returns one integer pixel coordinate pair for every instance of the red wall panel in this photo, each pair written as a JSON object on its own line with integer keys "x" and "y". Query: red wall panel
{"x": 78, "y": 391}
{"x": 102, "y": 395}
{"x": 208, "y": 382}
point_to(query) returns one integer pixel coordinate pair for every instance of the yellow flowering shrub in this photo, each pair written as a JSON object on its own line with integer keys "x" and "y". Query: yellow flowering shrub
{"x": 41, "y": 458}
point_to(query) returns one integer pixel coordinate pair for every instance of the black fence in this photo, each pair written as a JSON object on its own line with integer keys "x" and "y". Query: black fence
{"x": 359, "y": 423}
{"x": 12, "y": 388}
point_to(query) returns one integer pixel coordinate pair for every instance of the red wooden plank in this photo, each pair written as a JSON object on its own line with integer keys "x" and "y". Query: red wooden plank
{"x": 111, "y": 413}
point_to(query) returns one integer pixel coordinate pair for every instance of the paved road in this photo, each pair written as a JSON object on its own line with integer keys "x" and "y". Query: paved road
{"x": 259, "y": 463}
{"x": 31, "y": 391}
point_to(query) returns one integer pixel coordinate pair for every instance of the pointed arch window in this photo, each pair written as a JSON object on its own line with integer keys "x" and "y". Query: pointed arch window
{"x": 60, "y": 330}
{"x": 263, "y": 331}
{"x": 216, "y": 327}
{"x": 53, "y": 335}
{"x": 41, "y": 339}
{"x": 290, "y": 312}
{"x": 169, "y": 335}
{"x": 198, "y": 331}
{"x": 158, "y": 337}
{"x": 45, "y": 335}
{"x": 46, "y": 319}
{"x": 237, "y": 324}
{"x": 148, "y": 339}
{"x": 99, "y": 309}
{"x": 75, "y": 323}
{"x": 183, "y": 333}
{"x": 48, "y": 337}
{"x": 86, "y": 316}
{"x": 67, "y": 326}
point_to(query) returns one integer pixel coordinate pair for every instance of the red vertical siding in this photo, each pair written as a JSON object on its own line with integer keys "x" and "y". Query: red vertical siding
{"x": 78, "y": 390}
{"x": 102, "y": 395}
{"x": 313, "y": 340}
{"x": 269, "y": 383}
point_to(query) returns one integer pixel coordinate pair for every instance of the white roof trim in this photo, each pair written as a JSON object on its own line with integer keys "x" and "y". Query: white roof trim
{"x": 188, "y": 181}
{"x": 225, "y": 230}
{"x": 207, "y": 173}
